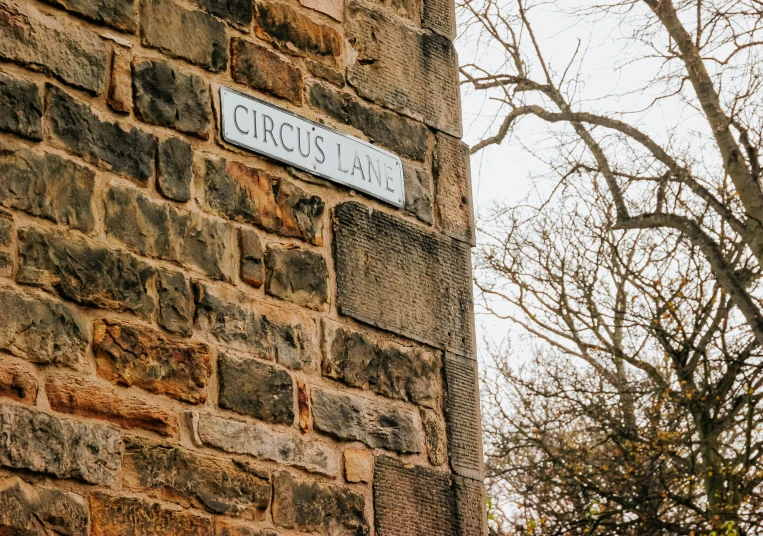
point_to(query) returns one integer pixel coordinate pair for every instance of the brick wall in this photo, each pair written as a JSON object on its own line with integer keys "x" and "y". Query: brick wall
{"x": 195, "y": 340}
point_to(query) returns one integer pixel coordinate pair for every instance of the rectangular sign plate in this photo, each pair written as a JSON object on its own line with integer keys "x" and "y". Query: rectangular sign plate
{"x": 266, "y": 129}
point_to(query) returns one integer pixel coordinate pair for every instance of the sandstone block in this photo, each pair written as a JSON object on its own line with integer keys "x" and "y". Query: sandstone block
{"x": 412, "y": 500}
{"x": 184, "y": 33}
{"x": 408, "y": 9}
{"x": 332, "y": 8}
{"x": 377, "y": 424}
{"x": 38, "y": 442}
{"x": 392, "y": 275}
{"x": 358, "y": 360}
{"x": 434, "y": 436}
{"x": 326, "y": 72}
{"x": 412, "y": 72}
{"x": 358, "y": 465}
{"x": 440, "y": 17}
{"x": 226, "y": 527}
{"x": 18, "y": 380}
{"x": 86, "y": 397}
{"x": 74, "y": 125}
{"x": 179, "y": 475}
{"x": 119, "y": 96}
{"x": 297, "y": 275}
{"x": 164, "y": 231}
{"x": 46, "y": 43}
{"x": 112, "y": 516}
{"x": 6, "y": 264}
{"x": 175, "y": 169}
{"x": 418, "y": 193}
{"x": 312, "y": 507}
{"x": 264, "y": 443}
{"x": 463, "y": 416}
{"x": 47, "y": 186}
{"x": 403, "y": 136}
{"x": 295, "y": 32}
{"x": 237, "y": 13}
{"x": 20, "y": 107}
{"x": 41, "y": 330}
{"x": 168, "y": 97}
{"x": 249, "y": 195}
{"x": 257, "y": 389}
{"x": 128, "y": 354}
{"x": 252, "y": 261}
{"x": 119, "y": 14}
{"x": 84, "y": 272}
{"x": 453, "y": 191}
{"x": 260, "y": 68}
{"x": 286, "y": 337}
{"x": 175, "y": 302}
{"x": 38, "y": 511}
{"x": 470, "y": 506}
{"x": 6, "y": 229}
{"x": 303, "y": 402}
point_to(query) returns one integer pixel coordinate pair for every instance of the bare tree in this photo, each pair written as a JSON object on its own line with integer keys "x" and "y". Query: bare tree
{"x": 638, "y": 280}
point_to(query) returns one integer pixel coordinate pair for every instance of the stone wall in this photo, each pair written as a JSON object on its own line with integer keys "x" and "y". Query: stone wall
{"x": 195, "y": 340}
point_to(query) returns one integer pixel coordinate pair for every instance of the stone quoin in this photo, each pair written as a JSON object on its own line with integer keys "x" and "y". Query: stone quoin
{"x": 235, "y": 272}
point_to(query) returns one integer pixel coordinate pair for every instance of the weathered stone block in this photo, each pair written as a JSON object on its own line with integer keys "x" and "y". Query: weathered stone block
{"x": 161, "y": 230}
{"x": 41, "y": 330}
{"x": 179, "y": 475}
{"x": 392, "y": 275}
{"x": 440, "y": 17}
{"x": 89, "y": 398}
{"x": 377, "y": 424}
{"x": 84, "y": 272}
{"x": 46, "y": 43}
{"x": 326, "y": 72}
{"x": 435, "y": 437}
{"x": 175, "y": 169}
{"x": 75, "y": 126}
{"x": 412, "y": 72}
{"x": 119, "y": 96}
{"x": 408, "y": 9}
{"x": 252, "y": 261}
{"x": 412, "y": 500}
{"x": 418, "y": 193}
{"x": 18, "y": 380}
{"x": 20, "y": 107}
{"x": 175, "y": 302}
{"x": 6, "y": 264}
{"x": 47, "y": 186}
{"x": 332, "y": 8}
{"x": 238, "y": 13}
{"x": 287, "y": 337}
{"x": 403, "y": 136}
{"x": 261, "y": 442}
{"x": 262, "y": 69}
{"x": 453, "y": 191}
{"x": 112, "y": 516}
{"x": 249, "y": 195}
{"x": 297, "y": 275}
{"x": 357, "y": 360}
{"x": 257, "y": 389}
{"x": 470, "y": 506}
{"x": 6, "y": 229}
{"x": 168, "y": 97}
{"x": 32, "y": 510}
{"x": 227, "y": 527}
{"x": 463, "y": 416}
{"x": 128, "y": 354}
{"x": 38, "y": 442}
{"x": 295, "y": 32}
{"x": 358, "y": 465}
{"x": 312, "y": 507}
{"x": 184, "y": 33}
{"x": 119, "y": 14}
